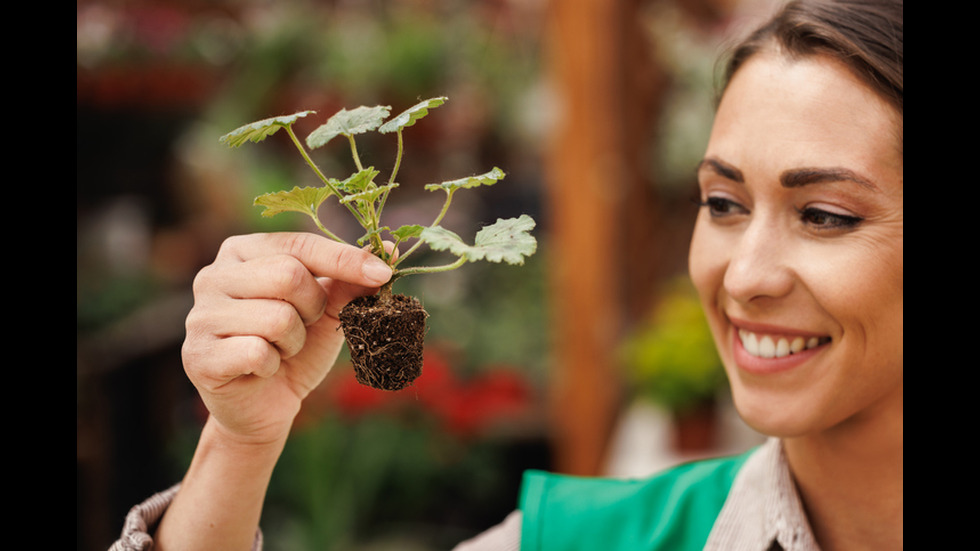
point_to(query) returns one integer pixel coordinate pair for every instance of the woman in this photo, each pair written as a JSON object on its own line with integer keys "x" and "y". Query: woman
{"x": 797, "y": 255}
{"x": 800, "y": 240}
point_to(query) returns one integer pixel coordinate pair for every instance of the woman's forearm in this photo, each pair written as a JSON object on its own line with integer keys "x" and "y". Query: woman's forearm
{"x": 220, "y": 500}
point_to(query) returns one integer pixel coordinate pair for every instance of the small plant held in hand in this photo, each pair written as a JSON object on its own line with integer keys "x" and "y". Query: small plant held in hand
{"x": 385, "y": 332}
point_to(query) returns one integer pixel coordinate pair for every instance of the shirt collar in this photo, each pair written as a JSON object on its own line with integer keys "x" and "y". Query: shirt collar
{"x": 763, "y": 506}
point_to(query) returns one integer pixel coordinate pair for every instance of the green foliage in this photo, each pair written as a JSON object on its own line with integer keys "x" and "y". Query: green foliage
{"x": 348, "y": 123}
{"x": 409, "y": 116}
{"x": 260, "y": 130}
{"x": 470, "y": 182}
{"x": 353, "y": 483}
{"x": 671, "y": 359}
{"x": 507, "y": 241}
{"x": 305, "y": 200}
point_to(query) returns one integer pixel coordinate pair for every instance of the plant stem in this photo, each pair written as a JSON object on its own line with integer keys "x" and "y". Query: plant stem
{"x": 328, "y": 233}
{"x": 408, "y": 253}
{"x": 353, "y": 150}
{"x": 384, "y": 293}
{"x": 394, "y": 172}
{"x": 398, "y": 157}
{"x": 376, "y": 243}
{"x": 372, "y": 223}
{"x": 445, "y": 209}
{"x": 324, "y": 179}
{"x": 309, "y": 161}
{"x": 431, "y": 269}
{"x": 442, "y": 214}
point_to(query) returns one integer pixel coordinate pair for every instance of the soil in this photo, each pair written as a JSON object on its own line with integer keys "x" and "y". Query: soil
{"x": 385, "y": 338}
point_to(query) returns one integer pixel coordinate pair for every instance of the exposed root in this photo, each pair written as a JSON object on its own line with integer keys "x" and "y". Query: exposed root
{"x": 385, "y": 340}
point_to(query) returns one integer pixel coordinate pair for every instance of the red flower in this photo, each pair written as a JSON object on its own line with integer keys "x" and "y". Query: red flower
{"x": 492, "y": 398}
{"x": 465, "y": 408}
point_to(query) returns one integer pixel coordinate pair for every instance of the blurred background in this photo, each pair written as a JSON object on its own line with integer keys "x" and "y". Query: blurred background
{"x": 593, "y": 358}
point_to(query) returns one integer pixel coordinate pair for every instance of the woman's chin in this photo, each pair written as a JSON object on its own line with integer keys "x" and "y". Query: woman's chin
{"x": 773, "y": 417}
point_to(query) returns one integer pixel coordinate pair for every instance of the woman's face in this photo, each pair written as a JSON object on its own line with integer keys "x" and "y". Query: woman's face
{"x": 797, "y": 249}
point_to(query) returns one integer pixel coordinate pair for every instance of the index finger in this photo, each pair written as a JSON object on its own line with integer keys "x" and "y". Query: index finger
{"x": 322, "y": 256}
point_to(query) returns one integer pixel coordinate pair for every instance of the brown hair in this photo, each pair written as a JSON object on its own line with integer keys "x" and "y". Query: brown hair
{"x": 866, "y": 35}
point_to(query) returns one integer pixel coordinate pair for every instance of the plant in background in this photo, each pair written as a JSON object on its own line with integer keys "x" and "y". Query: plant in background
{"x": 671, "y": 359}
{"x": 385, "y": 332}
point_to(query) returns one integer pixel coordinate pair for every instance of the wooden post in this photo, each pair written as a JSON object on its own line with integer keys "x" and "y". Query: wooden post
{"x": 586, "y": 168}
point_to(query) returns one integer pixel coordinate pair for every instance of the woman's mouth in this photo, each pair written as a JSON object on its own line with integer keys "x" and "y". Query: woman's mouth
{"x": 761, "y": 345}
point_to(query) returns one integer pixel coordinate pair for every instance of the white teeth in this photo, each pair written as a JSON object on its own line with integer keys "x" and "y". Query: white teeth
{"x": 782, "y": 348}
{"x": 766, "y": 346}
{"x": 797, "y": 346}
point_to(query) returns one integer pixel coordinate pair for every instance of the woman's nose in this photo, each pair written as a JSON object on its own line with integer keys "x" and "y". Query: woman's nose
{"x": 759, "y": 264}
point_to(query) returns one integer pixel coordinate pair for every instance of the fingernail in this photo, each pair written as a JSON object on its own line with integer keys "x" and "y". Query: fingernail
{"x": 377, "y": 271}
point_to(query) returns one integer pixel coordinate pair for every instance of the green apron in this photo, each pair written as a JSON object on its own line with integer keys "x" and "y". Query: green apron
{"x": 673, "y": 510}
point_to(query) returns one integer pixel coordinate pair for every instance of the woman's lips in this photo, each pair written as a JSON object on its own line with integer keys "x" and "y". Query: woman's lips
{"x": 769, "y": 350}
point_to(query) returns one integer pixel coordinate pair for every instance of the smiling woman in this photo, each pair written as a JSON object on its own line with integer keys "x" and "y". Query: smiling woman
{"x": 797, "y": 255}
{"x": 801, "y": 236}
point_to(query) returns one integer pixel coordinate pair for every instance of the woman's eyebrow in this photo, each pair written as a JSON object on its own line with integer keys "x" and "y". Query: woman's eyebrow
{"x": 804, "y": 176}
{"x": 722, "y": 169}
{"x": 797, "y": 177}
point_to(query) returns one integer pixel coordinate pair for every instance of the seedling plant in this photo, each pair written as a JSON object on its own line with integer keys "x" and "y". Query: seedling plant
{"x": 384, "y": 332}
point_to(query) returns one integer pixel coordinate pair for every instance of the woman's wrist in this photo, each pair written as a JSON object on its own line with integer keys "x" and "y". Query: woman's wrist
{"x": 218, "y": 435}
{"x": 221, "y": 497}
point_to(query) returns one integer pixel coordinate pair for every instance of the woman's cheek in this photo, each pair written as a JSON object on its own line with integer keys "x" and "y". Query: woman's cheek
{"x": 706, "y": 262}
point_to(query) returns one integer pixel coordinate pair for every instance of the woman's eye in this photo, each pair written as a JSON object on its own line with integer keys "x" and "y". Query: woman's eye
{"x": 719, "y": 206}
{"x": 828, "y": 220}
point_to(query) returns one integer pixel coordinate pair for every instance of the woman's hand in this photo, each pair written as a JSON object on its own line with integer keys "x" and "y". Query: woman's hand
{"x": 264, "y": 332}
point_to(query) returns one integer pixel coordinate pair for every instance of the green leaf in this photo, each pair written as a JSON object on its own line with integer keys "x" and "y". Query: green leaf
{"x": 348, "y": 123}
{"x": 407, "y": 232}
{"x": 368, "y": 195}
{"x": 305, "y": 200}
{"x": 441, "y": 239}
{"x": 410, "y": 115}
{"x": 487, "y": 179}
{"x": 364, "y": 239}
{"x": 506, "y": 240}
{"x": 359, "y": 181}
{"x": 260, "y": 130}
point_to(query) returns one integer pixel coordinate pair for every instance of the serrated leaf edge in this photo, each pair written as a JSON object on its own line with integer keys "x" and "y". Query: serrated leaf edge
{"x": 311, "y": 208}
{"x": 323, "y": 134}
{"x": 485, "y": 179}
{"x": 409, "y": 116}
{"x": 260, "y": 130}
{"x": 441, "y": 239}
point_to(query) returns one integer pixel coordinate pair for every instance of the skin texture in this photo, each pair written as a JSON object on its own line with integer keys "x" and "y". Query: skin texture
{"x": 801, "y": 234}
{"x": 261, "y": 335}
